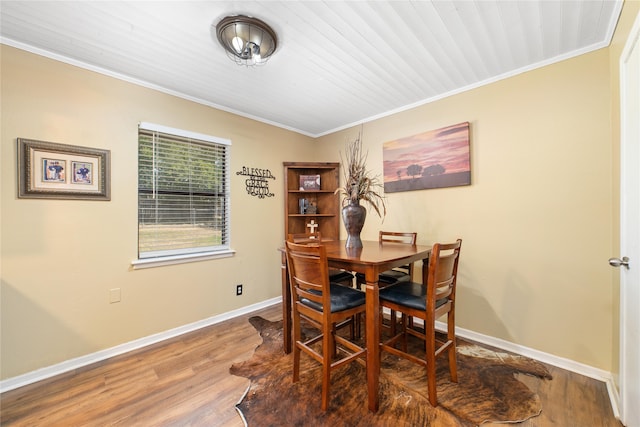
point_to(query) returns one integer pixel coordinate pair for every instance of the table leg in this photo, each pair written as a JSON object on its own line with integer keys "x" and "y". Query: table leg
{"x": 286, "y": 307}
{"x": 372, "y": 339}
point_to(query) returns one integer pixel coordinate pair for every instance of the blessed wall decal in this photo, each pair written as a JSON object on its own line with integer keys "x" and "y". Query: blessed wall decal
{"x": 257, "y": 183}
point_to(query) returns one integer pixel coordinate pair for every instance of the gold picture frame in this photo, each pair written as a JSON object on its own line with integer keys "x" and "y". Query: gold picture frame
{"x": 48, "y": 170}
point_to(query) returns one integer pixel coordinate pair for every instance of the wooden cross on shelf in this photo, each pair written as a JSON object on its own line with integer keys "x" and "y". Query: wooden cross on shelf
{"x": 312, "y": 226}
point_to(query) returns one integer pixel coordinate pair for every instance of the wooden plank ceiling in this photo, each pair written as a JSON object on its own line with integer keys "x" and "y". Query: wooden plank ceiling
{"x": 338, "y": 63}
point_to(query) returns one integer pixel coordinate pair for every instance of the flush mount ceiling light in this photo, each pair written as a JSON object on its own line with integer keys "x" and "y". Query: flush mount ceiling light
{"x": 248, "y": 41}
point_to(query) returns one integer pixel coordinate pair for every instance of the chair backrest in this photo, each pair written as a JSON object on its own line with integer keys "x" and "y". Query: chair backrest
{"x": 443, "y": 272}
{"x": 309, "y": 273}
{"x": 397, "y": 237}
{"x": 400, "y": 237}
{"x": 304, "y": 237}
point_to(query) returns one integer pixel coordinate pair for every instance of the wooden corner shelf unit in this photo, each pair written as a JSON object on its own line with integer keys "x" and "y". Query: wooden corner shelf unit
{"x": 323, "y": 199}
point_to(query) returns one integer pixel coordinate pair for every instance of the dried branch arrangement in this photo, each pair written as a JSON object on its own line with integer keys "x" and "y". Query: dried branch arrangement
{"x": 359, "y": 184}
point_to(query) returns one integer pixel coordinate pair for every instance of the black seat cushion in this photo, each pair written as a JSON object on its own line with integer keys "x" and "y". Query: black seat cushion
{"x": 392, "y": 276}
{"x": 388, "y": 277}
{"x": 339, "y": 275}
{"x": 409, "y": 294}
{"x": 342, "y": 298}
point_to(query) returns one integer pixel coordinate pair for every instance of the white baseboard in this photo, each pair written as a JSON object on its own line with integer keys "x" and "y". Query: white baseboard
{"x": 78, "y": 362}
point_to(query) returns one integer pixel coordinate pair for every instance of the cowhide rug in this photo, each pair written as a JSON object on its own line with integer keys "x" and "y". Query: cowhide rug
{"x": 487, "y": 389}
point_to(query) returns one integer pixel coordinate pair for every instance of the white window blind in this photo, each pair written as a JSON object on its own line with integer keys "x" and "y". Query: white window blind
{"x": 183, "y": 192}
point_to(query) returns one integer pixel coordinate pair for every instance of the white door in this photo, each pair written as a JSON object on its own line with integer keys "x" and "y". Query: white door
{"x": 630, "y": 231}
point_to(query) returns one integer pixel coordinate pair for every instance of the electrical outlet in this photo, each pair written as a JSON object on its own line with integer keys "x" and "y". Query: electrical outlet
{"x": 239, "y": 289}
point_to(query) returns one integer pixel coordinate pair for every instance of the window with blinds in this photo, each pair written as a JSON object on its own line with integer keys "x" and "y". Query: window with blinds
{"x": 183, "y": 192}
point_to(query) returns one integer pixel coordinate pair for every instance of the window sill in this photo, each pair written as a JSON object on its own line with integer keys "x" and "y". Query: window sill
{"x": 139, "y": 264}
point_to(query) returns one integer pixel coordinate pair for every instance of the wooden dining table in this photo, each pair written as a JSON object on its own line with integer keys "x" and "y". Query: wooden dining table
{"x": 372, "y": 259}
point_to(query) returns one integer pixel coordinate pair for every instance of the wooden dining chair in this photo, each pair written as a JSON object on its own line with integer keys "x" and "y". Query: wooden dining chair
{"x": 341, "y": 277}
{"x": 324, "y": 305}
{"x": 403, "y": 273}
{"x": 429, "y": 300}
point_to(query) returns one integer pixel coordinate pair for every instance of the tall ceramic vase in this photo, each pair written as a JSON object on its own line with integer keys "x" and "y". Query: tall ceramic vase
{"x": 353, "y": 216}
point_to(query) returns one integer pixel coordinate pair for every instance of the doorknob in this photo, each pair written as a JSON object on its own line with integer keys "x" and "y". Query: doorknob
{"x": 617, "y": 262}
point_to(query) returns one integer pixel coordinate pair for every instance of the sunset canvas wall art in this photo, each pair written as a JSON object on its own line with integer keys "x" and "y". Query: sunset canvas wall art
{"x": 434, "y": 159}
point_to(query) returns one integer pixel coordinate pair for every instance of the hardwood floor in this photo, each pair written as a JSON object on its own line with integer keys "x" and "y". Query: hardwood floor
{"x": 570, "y": 400}
{"x": 185, "y": 381}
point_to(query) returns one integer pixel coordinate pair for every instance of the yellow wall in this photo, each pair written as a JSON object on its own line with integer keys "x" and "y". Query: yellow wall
{"x": 61, "y": 257}
{"x": 538, "y": 222}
